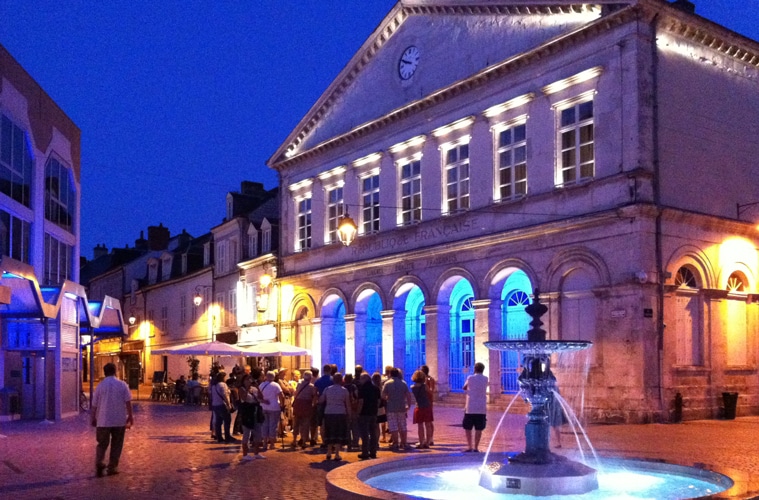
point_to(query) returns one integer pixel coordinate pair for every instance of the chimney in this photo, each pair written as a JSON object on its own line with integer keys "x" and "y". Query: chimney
{"x": 251, "y": 188}
{"x": 158, "y": 237}
{"x": 99, "y": 251}
{"x": 141, "y": 243}
{"x": 685, "y": 6}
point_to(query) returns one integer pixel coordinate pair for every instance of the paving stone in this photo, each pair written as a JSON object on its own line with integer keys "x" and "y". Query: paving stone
{"x": 169, "y": 454}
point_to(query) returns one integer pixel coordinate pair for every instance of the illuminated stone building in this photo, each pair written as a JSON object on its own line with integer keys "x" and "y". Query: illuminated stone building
{"x": 486, "y": 149}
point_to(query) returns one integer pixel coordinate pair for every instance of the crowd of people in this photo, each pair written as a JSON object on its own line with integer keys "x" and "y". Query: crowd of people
{"x": 325, "y": 409}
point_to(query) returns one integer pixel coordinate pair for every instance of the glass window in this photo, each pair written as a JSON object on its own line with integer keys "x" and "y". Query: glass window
{"x": 14, "y": 237}
{"x": 303, "y": 225}
{"x": 457, "y": 178}
{"x": 576, "y": 136}
{"x": 411, "y": 192}
{"x": 370, "y": 204}
{"x": 335, "y": 211}
{"x": 15, "y": 162}
{"x": 58, "y": 261}
{"x": 511, "y": 154}
{"x": 60, "y": 195}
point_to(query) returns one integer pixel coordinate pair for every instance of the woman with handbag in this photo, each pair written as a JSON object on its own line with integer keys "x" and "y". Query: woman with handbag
{"x": 222, "y": 407}
{"x": 250, "y": 413}
{"x": 303, "y": 409}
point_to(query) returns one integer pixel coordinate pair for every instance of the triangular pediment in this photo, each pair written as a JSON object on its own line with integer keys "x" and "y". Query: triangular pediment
{"x": 453, "y": 40}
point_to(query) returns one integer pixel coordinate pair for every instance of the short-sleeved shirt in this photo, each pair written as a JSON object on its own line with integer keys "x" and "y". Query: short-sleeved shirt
{"x": 396, "y": 391}
{"x": 370, "y": 395}
{"x": 476, "y": 394}
{"x": 323, "y": 382}
{"x": 336, "y": 399}
{"x": 110, "y": 398}
{"x": 271, "y": 392}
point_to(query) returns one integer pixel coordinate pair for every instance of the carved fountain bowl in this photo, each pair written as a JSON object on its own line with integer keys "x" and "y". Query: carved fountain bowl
{"x": 538, "y": 347}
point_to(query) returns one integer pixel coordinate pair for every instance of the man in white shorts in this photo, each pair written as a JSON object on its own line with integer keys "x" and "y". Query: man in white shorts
{"x": 395, "y": 392}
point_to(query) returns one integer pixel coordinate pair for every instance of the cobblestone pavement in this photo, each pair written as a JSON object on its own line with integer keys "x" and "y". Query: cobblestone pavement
{"x": 169, "y": 454}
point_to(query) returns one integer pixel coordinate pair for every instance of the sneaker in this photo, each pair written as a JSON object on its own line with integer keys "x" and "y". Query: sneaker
{"x": 362, "y": 456}
{"x": 259, "y": 457}
{"x": 246, "y": 458}
{"x": 338, "y": 458}
{"x": 112, "y": 472}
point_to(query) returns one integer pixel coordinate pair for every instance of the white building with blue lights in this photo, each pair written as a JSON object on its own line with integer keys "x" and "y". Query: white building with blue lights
{"x": 487, "y": 149}
{"x": 42, "y": 308}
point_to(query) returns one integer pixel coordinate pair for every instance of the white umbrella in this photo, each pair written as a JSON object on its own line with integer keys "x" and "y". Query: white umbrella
{"x": 276, "y": 349}
{"x": 204, "y": 349}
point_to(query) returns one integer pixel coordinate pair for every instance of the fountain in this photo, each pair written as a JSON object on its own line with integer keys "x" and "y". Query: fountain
{"x": 538, "y": 471}
{"x": 535, "y": 472}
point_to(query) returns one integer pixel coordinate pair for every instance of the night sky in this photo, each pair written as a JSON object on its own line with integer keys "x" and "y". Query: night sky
{"x": 180, "y": 101}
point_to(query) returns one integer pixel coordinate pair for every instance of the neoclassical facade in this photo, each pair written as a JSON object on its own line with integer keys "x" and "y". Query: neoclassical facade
{"x": 490, "y": 149}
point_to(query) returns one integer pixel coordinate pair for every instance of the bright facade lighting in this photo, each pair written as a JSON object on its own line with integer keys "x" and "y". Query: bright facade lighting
{"x": 583, "y": 76}
{"x": 457, "y": 125}
{"x": 510, "y": 104}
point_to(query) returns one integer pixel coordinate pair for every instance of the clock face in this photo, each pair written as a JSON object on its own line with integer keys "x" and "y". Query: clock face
{"x": 408, "y": 62}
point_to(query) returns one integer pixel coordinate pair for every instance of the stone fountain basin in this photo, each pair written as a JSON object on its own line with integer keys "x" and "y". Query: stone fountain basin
{"x": 348, "y": 482}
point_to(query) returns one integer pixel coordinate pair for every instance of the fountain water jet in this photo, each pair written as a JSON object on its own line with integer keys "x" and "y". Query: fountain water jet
{"x": 537, "y": 471}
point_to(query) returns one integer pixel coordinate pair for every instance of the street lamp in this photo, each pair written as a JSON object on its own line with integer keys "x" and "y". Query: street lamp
{"x": 198, "y": 299}
{"x": 346, "y": 229}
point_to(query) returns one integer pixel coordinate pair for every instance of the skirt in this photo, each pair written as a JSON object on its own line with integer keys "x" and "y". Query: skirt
{"x": 336, "y": 429}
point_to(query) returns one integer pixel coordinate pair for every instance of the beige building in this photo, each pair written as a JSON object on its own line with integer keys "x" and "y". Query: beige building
{"x": 488, "y": 149}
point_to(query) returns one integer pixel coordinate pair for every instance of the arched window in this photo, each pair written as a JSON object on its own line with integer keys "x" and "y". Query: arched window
{"x": 373, "y": 346}
{"x": 685, "y": 278}
{"x": 516, "y": 322}
{"x": 689, "y": 342}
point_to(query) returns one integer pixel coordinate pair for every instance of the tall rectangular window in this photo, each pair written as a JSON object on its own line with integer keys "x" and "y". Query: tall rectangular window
{"x": 303, "y": 224}
{"x": 14, "y": 237}
{"x": 183, "y": 309}
{"x": 60, "y": 195}
{"x": 335, "y": 210}
{"x": 370, "y": 204}
{"x": 221, "y": 257}
{"x": 577, "y": 156}
{"x": 457, "y": 178}
{"x": 58, "y": 259}
{"x": 232, "y": 307}
{"x": 252, "y": 242}
{"x": 165, "y": 320}
{"x": 511, "y": 154}
{"x": 15, "y": 162}
{"x": 266, "y": 237}
{"x": 411, "y": 192}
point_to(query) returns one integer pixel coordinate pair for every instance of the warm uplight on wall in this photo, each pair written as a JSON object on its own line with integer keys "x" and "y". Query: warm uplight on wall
{"x": 346, "y": 230}
{"x": 265, "y": 280}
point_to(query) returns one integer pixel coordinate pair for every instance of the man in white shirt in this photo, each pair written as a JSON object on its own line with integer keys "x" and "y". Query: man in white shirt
{"x": 475, "y": 410}
{"x": 111, "y": 417}
{"x": 272, "y": 404}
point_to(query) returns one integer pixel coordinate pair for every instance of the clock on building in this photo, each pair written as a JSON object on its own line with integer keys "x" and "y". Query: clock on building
{"x": 408, "y": 62}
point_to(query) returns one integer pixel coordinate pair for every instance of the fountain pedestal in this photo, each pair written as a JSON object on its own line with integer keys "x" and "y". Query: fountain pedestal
{"x": 537, "y": 471}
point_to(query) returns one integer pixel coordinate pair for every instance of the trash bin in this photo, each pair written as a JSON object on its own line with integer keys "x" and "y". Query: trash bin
{"x": 10, "y": 404}
{"x": 730, "y": 400}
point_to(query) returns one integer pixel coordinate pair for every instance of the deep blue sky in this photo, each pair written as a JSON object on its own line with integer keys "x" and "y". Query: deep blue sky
{"x": 180, "y": 101}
